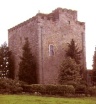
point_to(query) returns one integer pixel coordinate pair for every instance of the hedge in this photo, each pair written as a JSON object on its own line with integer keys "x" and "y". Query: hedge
{"x": 49, "y": 89}
{"x": 80, "y": 89}
{"x": 10, "y": 86}
{"x": 14, "y": 87}
{"x": 92, "y": 91}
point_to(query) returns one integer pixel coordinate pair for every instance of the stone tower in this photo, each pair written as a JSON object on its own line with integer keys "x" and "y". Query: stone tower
{"x": 48, "y": 35}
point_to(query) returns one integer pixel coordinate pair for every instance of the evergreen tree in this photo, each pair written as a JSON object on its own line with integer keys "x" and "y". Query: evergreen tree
{"x": 71, "y": 68}
{"x": 5, "y": 64}
{"x": 69, "y": 71}
{"x": 11, "y": 66}
{"x": 27, "y": 66}
{"x": 94, "y": 67}
{"x": 74, "y": 52}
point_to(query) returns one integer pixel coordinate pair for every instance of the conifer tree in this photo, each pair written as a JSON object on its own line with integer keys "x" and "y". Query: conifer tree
{"x": 5, "y": 61}
{"x": 74, "y": 52}
{"x": 71, "y": 66}
{"x": 11, "y": 66}
{"x": 69, "y": 71}
{"x": 27, "y": 66}
{"x": 94, "y": 68}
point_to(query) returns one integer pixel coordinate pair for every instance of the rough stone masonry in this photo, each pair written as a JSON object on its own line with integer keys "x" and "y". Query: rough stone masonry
{"x": 48, "y": 35}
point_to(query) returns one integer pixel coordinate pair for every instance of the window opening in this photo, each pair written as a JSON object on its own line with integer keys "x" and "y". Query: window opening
{"x": 51, "y": 50}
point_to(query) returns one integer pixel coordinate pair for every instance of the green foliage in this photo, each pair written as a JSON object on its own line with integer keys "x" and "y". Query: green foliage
{"x": 74, "y": 52}
{"x": 52, "y": 89}
{"x": 69, "y": 71}
{"x": 94, "y": 68}
{"x": 66, "y": 90}
{"x": 10, "y": 86}
{"x": 71, "y": 83}
{"x": 80, "y": 89}
{"x": 37, "y": 88}
{"x": 92, "y": 91}
{"x": 5, "y": 61}
{"x": 71, "y": 68}
{"x": 27, "y": 66}
{"x": 61, "y": 90}
{"x": 94, "y": 60}
{"x": 11, "y": 66}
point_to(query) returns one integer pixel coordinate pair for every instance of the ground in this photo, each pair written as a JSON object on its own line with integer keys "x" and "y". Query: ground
{"x": 30, "y": 99}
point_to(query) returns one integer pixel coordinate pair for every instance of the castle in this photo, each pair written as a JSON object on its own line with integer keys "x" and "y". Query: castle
{"x": 48, "y": 35}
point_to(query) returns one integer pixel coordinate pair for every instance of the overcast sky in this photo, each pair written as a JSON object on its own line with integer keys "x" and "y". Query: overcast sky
{"x": 13, "y": 12}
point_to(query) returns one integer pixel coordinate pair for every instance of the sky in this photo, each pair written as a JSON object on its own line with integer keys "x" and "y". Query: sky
{"x": 13, "y": 12}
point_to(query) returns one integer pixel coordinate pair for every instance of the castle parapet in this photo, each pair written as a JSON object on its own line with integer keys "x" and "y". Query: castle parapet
{"x": 72, "y": 14}
{"x": 54, "y": 16}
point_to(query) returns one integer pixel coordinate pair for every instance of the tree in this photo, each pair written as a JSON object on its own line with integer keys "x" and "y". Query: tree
{"x": 94, "y": 68}
{"x": 11, "y": 66}
{"x": 74, "y": 52}
{"x": 69, "y": 71}
{"x": 27, "y": 66}
{"x": 5, "y": 61}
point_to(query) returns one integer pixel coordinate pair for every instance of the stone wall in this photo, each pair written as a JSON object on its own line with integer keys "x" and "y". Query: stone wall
{"x": 16, "y": 37}
{"x": 59, "y": 33}
{"x": 56, "y": 29}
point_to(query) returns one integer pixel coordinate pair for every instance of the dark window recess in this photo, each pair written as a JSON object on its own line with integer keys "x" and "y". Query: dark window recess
{"x": 69, "y": 22}
{"x": 51, "y": 50}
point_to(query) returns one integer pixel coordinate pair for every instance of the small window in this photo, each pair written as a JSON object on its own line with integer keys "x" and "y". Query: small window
{"x": 51, "y": 50}
{"x": 69, "y": 22}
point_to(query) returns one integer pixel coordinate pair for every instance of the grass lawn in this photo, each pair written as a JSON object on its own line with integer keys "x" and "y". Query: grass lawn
{"x": 28, "y": 99}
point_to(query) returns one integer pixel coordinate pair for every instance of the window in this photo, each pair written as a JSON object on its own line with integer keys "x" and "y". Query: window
{"x": 51, "y": 50}
{"x": 69, "y": 22}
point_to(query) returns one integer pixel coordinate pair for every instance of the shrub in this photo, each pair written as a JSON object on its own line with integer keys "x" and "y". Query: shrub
{"x": 80, "y": 89}
{"x": 26, "y": 88}
{"x": 69, "y": 71}
{"x": 34, "y": 88}
{"x": 60, "y": 89}
{"x": 50, "y": 89}
{"x": 92, "y": 91}
{"x": 37, "y": 88}
{"x": 10, "y": 86}
{"x": 66, "y": 89}
{"x": 71, "y": 83}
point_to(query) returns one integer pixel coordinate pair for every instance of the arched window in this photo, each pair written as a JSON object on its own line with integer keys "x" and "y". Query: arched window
{"x": 51, "y": 50}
